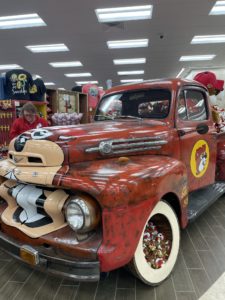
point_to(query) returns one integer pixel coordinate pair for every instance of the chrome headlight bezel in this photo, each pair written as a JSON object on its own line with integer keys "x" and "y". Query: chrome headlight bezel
{"x": 82, "y": 213}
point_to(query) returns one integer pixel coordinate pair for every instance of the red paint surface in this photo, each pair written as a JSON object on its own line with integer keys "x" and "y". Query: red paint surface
{"x": 127, "y": 190}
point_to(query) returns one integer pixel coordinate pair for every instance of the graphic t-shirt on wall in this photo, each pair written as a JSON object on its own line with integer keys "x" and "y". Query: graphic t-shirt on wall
{"x": 18, "y": 83}
{"x": 93, "y": 96}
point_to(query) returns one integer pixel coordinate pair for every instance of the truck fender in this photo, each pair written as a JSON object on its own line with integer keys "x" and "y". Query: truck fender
{"x": 123, "y": 223}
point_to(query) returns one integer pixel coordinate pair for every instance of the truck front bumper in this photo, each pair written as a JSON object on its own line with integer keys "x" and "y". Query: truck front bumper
{"x": 68, "y": 268}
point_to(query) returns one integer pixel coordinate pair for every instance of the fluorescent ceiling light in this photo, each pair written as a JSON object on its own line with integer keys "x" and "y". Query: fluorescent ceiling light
{"x": 85, "y": 82}
{"x": 61, "y": 89}
{"x": 21, "y": 21}
{"x": 49, "y": 83}
{"x": 131, "y": 72}
{"x": 208, "y": 39}
{"x": 36, "y": 76}
{"x": 78, "y": 75}
{"x": 129, "y": 61}
{"x": 130, "y": 80}
{"x": 10, "y": 67}
{"x": 63, "y": 64}
{"x": 117, "y": 14}
{"x": 197, "y": 57}
{"x": 47, "y": 48}
{"x": 218, "y": 8}
{"x": 127, "y": 44}
{"x": 181, "y": 71}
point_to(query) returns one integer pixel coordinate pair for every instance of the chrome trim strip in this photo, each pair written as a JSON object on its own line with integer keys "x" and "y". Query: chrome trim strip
{"x": 136, "y": 139}
{"x": 91, "y": 150}
{"x": 136, "y": 150}
{"x": 127, "y": 145}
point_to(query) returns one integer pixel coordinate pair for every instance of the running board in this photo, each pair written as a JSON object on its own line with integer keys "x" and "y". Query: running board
{"x": 201, "y": 199}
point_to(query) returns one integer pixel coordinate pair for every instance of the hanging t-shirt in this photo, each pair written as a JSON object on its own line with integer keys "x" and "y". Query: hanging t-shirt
{"x": 93, "y": 94}
{"x": 18, "y": 83}
{"x": 37, "y": 90}
{"x": 77, "y": 88}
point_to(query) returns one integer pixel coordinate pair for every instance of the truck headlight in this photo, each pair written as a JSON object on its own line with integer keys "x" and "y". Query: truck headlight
{"x": 82, "y": 213}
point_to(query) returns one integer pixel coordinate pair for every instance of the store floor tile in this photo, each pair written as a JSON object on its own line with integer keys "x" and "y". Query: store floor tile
{"x": 199, "y": 272}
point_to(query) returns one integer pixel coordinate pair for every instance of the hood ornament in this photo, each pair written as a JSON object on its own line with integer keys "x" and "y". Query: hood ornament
{"x": 105, "y": 147}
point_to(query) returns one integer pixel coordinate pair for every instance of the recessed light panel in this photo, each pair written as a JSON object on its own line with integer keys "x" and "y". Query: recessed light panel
{"x": 49, "y": 83}
{"x": 218, "y": 8}
{"x": 127, "y": 44}
{"x": 208, "y": 39}
{"x": 78, "y": 75}
{"x": 129, "y": 13}
{"x": 131, "y": 72}
{"x": 66, "y": 64}
{"x": 129, "y": 61}
{"x": 197, "y": 57}
{"x": 61, "y": 89}
{"x": 47, "y": 48}
{"x": 86, "y": 82}
{"x": 10, "y": 67}
{"x": 21, "y": 21}
{"x": 130, "y": 80}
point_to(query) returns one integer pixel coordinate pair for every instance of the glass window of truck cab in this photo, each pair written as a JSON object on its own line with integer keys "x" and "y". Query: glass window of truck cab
{"x": 192, "y": 105}
{"x": 151, "y": 104}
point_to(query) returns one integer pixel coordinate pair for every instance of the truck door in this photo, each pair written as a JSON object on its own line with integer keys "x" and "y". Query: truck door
{"x": 196, "y": 136}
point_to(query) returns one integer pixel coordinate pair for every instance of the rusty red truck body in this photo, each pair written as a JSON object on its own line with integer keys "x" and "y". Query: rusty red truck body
{"x": 78, "y": 201}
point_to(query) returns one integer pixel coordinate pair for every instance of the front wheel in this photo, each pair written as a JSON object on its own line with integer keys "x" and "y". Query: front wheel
{"x": 158, "y": 247}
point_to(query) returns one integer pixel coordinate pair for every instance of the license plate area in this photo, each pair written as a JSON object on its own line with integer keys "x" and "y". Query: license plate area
{"x": 29, "y": 255}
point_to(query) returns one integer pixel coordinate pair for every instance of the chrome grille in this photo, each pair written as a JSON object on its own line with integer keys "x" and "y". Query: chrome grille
{"x": 122, "y": 146}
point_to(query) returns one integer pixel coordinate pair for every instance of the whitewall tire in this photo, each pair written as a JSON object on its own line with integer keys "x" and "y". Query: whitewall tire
{"x": 165, "y": 220}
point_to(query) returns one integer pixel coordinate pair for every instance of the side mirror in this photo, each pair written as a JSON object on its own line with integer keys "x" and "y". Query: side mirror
{"x": 202, "y": 128}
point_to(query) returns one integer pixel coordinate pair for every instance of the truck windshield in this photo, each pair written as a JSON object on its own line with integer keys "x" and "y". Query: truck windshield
{"x": 152, "y": 104}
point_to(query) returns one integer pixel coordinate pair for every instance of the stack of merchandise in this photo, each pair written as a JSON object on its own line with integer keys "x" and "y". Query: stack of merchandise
{"x": 66, "y": 118}
{"x": 219, "y": 118}
{"x": 7, "y": 116}
{"x": 49, "y": 113}
{"x": 156, "y": 246}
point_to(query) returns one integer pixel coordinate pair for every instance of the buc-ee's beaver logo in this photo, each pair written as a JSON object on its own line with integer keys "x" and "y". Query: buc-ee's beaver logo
{"x": 199, "y": 158}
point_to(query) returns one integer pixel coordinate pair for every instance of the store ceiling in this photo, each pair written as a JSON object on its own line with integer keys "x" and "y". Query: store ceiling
{"x": 74, "y": 23}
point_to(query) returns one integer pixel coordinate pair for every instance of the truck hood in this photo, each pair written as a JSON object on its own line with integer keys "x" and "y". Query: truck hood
{"x": 93, "y": 141}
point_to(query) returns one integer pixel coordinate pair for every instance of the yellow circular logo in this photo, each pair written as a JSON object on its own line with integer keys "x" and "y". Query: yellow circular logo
{"x": 199, "y": 158}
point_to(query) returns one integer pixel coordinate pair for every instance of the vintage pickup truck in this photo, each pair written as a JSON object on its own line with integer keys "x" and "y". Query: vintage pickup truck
{"x": 79, "y": 201}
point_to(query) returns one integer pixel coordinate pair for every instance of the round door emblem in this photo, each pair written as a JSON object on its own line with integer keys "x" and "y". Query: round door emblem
{"x": 199, "y": 158}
